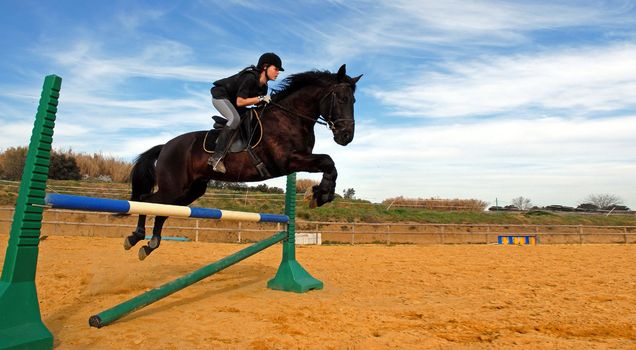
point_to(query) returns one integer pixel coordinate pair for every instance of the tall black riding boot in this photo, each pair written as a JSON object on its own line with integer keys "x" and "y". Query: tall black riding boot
{"x": 216, "y": 160}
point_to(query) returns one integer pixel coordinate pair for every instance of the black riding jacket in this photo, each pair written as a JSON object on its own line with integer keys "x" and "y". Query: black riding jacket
{"x": 243, "y": 84}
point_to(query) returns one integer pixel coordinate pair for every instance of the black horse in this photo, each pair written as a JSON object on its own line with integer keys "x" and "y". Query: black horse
{"x": 180, "y": 171}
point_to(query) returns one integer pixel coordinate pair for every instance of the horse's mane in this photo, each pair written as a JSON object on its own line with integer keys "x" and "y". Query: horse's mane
{"x": 298, "y": 81}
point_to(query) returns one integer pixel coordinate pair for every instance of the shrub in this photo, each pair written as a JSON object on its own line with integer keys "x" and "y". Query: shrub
{"x": 303, "y": 184}
{"x": 12, "y": 163}
{"x": 65, "y": 165}
{"x": 96, "y": 165}
{"x": 436, "y": 204}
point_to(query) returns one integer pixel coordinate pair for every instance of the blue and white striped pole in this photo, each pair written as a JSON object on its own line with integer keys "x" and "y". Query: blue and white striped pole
{"x": 66, "y": 201}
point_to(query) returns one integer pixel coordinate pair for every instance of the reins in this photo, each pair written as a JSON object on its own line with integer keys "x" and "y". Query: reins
{"x": 320, "y": 120}
{"x": 326, "y": 121}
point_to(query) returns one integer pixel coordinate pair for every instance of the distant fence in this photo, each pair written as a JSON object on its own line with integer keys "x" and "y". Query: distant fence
{"x": 121, "y": 192}
{"x": 65, "y": 222}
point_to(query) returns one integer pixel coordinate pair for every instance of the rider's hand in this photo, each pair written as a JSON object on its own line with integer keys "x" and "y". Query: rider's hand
{"x": 265, "y": 99}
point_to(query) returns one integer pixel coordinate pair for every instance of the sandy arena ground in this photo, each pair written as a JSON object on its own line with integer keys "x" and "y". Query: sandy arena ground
{"x": 375, "y": 297}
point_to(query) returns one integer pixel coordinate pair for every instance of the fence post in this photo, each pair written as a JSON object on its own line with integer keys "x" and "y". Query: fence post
{"x": 56, "y": 225}
{"x": 196, "y": 232}
{"x": 487, "y": 234}
{"x": 353, "y": 234}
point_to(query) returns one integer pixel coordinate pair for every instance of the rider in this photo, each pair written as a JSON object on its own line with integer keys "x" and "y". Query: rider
{"x": 232, "y": 95}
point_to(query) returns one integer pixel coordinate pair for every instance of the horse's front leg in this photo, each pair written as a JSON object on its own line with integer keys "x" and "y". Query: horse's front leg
{"x": 316, "y": 163}
{"x": 155, "y": 240}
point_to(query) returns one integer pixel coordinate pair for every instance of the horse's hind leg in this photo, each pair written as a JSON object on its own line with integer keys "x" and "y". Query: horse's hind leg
{"x": 160, "y": 197}
{"x": 196, "y": 190}
{"x": 137, "y": 235}
{"x": 155, "y": 241}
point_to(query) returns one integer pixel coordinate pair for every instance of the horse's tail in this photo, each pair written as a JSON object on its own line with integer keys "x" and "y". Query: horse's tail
{"x": 142, "y": 175}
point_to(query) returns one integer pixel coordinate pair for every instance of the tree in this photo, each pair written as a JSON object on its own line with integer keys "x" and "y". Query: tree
{"x": 63, "y": 167}
{"x": 604, "y": 200}
{"x": 349, "y": 193}
{"x": 522, "y": 203}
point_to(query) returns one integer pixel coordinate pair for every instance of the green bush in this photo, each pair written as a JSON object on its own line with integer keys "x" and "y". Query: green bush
{"x": 63, "y": 167}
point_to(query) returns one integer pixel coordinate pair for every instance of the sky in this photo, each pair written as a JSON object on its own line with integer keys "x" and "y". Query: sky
{"x": 486, "y": 100}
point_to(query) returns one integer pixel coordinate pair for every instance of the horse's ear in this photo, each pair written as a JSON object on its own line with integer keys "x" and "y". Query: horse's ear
{"x": 355, "y": 80}
{"x": 342, "y": 72}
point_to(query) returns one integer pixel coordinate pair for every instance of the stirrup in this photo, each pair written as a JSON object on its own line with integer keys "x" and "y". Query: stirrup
{"x": 217, "y": 165}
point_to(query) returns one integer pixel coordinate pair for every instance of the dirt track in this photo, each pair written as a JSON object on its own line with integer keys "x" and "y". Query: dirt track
{"x": 375, "y": 297}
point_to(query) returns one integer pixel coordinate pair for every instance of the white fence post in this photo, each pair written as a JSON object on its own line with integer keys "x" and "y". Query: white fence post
{"x": 353, "y": 234}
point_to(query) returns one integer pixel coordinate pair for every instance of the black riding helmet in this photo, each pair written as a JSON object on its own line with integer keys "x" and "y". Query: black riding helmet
{"x": 270, "y": 58}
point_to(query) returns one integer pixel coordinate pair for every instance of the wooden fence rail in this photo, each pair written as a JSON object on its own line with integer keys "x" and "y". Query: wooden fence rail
{"x": 66, "y": 222}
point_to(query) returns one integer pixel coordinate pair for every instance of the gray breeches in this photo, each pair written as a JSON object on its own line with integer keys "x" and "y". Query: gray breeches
{"x": 227, "y": 111}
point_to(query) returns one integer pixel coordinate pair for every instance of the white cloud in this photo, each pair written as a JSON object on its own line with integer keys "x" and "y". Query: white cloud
{"x": 551, "y": 160}
{"x": 97, "y": 97}
{"x": 473, "y": 18}
{"x": 160, "y": 59}
{"x": 431, "y": 28}
{"x": 13, "y": 134}
{"x": 583, "y": 80}
{"x": 130, "y": 21}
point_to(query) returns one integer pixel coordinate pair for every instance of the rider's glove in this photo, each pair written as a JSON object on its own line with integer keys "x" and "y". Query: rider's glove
{"x": 265, "y": 99}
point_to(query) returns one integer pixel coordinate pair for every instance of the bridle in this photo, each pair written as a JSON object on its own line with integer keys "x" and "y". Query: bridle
{"x": 322, "y": 120}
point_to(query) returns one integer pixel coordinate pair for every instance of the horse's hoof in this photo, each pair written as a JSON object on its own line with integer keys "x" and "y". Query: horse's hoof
{"x": 154, "y": 243}
{"x": 144, "y": 252}
{"x": 127, "y": 244}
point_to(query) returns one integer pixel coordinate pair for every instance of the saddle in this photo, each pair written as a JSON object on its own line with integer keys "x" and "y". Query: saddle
{"x": 249, "y": 132}
{"x": 245, "y": 138}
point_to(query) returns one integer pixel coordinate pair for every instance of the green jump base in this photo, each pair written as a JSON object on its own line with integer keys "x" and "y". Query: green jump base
{"x": 292, "y": 277}
{"x": 21, "y": 326}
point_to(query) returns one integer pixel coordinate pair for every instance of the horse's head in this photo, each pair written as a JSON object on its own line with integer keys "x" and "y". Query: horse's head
{"x": 336, "y": 107}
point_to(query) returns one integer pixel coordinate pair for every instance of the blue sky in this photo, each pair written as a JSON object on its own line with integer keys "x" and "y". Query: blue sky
{"x": 459, "y": 99}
